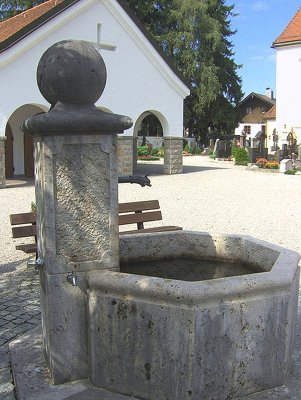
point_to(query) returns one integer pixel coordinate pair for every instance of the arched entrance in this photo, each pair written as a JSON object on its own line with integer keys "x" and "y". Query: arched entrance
{"x": 19, "y": 147}
{"x": 149, "y": 129}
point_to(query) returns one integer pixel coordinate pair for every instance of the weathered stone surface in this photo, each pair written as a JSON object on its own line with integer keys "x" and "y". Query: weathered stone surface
{"x": 71, "y": 72}
{"x": 162, "y": 338}
{"x": 173, "y": 158}
{"x": 72, "y": 76}
{"x": 76, "y": 197}
{"x": 78, "y": 211}
{"x": 125, "y": 156}
{"x": 2, "y": 162}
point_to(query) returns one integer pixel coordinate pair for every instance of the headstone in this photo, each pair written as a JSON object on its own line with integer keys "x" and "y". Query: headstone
{"x": 254, "y": 154}
{"x": 223, "y": 149}
{"x": 76, "y": 196}
{"x": 285, "y": 165}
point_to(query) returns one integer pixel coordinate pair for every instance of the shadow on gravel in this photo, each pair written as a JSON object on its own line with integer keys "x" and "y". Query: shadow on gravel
{"x": 12, "y": 266}
{"x": 157, "y": 169}
{"x": 19, "y": 182}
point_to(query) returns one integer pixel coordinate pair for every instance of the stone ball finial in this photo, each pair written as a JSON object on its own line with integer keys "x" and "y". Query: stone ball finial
{"x": 73, "y": 72}
{"x": 71, "y": 76}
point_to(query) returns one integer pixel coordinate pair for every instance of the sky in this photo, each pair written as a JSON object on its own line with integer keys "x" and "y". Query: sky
{"x": 258, "y": 24}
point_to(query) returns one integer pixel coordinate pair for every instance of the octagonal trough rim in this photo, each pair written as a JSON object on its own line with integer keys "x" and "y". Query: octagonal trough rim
{"x": 195, "y": 293}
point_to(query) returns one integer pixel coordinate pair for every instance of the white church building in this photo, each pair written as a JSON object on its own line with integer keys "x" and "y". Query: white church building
{"x": 288, "y": 81}
{"x": 141, "y": 80}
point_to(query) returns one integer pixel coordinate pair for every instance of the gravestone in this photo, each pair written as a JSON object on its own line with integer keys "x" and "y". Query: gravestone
{"x": 285, "y": 165}
{"x": 76, "y": 197}
{"x": 223, "y": 148}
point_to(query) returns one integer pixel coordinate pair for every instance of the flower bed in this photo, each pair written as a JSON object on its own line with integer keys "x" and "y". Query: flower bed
{"x": 264, "y": 163}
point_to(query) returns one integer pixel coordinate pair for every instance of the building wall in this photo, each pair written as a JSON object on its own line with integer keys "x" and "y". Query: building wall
{"x": 288, "y": 84}
{"x": 138, "y": 80}
{"x": 257, "y": 115}
{"x": 270, "y": 127}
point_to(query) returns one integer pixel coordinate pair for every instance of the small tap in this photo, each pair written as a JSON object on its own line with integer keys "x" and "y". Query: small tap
{"x": 37, "y": 264}
{"x": 72, "y": 278}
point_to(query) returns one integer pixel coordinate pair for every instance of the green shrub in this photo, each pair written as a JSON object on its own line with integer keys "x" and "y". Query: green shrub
{"x": 33, "y": 207}
{"x": 160, "y": 152}
{"x": 192, "y": 149}
{"x": 142, "y": 150}
{"x": 233, "y": 150}
{"x": 155, "y": 151}
{"x": 290, "y": 172}
{"x": 241, "y": 156}
{"x": 187, "y": 148}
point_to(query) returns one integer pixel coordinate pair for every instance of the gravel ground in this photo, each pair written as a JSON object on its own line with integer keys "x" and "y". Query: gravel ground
{"x": 218, "y": 197}
{"x": 211, "y": 196}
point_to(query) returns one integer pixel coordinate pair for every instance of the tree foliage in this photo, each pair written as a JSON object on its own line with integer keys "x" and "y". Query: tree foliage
{"x": 196, "y": 35}
{"x": 10, "y": 8}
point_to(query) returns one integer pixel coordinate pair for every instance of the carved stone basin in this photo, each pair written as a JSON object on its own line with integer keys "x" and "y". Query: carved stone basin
{"x": 157, "y": 338}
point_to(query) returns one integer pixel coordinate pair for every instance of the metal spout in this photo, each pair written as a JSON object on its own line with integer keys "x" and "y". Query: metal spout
{"x": 72, "y": 279}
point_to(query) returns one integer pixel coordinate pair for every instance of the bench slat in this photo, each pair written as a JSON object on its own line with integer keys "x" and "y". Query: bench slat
{"x": 149, "y": 230}
{"x": 129, "y": 213}
{"x": 25, "y": 218}
{"x": 140, "y": 217}
{"x": 139, "y": 206}
{"x": 24, "y": 231}
{"x": 27, "y": 248}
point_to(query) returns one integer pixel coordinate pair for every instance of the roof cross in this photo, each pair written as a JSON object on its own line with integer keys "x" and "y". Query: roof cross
{"x": 102, "y": 46}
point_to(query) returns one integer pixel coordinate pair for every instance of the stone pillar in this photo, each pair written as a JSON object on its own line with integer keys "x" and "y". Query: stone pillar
{"x": 125, "y": 156}
{"x": 299, "y": 152}
{"x": 173, "y": 155}
{"x": 2, "y": 162}
{"x": 76, "y": 197}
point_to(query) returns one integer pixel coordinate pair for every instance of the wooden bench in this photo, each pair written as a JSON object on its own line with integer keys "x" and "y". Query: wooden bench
{"x": 139, "y": 212}
{"x": 24, "y": 225}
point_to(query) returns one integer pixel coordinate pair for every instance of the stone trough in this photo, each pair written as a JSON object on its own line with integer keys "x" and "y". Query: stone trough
{"x": 220, "y": 329}
{"x": 156, "y": 338}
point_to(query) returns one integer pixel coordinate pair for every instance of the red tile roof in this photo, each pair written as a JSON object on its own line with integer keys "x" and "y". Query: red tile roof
{"x": 292, "y": 33}
{"x": 13, "y": 25}
{"x": 271, "y": 114}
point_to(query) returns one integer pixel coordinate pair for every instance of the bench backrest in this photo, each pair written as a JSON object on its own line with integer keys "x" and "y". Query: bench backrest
{"x": 138, "y": 212}
{"x": 27, "y": 222}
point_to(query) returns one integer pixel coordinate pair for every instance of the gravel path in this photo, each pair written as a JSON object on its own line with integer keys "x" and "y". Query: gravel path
{"x": 218, "y": 197}
{"x": 212, "y": 196}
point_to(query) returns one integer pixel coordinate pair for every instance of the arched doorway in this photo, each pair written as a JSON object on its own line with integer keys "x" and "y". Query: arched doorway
{"x": 19, "y": 147}
{"x": 9, "y": 157}
{"x": 150, "y": 128}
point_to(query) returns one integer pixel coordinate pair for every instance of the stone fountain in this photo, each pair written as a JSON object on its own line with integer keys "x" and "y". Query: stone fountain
{"x": 121, "y": 328}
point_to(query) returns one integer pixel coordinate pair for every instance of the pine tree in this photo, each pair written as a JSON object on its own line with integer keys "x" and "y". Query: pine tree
{"x": 196, "y": 34}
